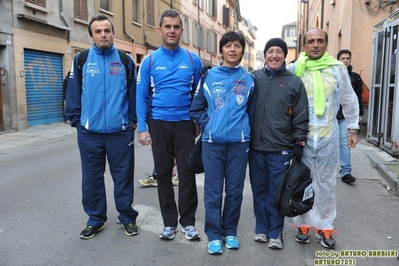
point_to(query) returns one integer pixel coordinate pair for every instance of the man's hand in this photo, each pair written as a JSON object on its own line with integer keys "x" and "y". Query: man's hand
{"x": 297, "y": 152}
{"x": 352, "y": 140}
{"x": 144, "y": 138}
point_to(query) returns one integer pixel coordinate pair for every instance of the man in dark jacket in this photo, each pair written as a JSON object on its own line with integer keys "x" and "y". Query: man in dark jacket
{"x": 279, "y": 133}
{"x": 344, "y": 151}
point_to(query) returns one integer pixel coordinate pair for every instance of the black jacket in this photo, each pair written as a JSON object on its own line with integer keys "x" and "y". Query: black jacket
{"x": 282, "y": 112}
{"x": 357, "y": 83}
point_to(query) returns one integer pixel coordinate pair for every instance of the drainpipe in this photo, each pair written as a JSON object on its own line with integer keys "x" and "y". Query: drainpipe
{"x": 123, "y": 23}
{"x": 63, "y": 19}
{"x": 322, "y": 14}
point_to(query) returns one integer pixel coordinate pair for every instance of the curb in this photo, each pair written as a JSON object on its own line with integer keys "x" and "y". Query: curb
{"x": 390, "y": 177}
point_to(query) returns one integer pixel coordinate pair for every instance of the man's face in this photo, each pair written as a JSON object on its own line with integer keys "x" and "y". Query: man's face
{"x": 170, "y": 32}
{"x": 315, "y": 44}
{"x": 274, "y": 58}
{"x": 345, "y": 59}
{"x": 103, "y": 37}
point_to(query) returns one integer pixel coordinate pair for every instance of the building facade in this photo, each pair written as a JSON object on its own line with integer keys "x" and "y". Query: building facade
{"x": 39, "y": 39}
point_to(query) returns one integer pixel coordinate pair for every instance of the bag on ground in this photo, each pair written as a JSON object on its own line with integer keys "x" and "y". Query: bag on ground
{"x": 295, "y": 195}
{"x": 195, "y": 158}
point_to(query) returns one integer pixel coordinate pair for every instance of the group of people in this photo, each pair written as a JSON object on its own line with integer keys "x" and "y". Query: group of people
{"x": 264, "y": 119}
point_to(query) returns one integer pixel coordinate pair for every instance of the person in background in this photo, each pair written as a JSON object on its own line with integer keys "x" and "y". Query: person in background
{"x": 327, "y": 86}
{"x": 151, "y": 180}
{"x": 345, "y": 57}
{"x": 221, "y": 108}
{"x": 101, "y": 104}
{"x": 279, "y": 133}
{"x": 172, "y": 73}
{"x": 64, "y": 90}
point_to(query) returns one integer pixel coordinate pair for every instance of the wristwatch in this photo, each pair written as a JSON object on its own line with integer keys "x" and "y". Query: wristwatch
{"x": 353, "y": 131}
{"x": 133, "y": 125}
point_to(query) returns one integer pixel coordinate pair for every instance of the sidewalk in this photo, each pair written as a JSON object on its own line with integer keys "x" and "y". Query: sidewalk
{"x": 34, "y": 135}
{"x": 364, "y": 156}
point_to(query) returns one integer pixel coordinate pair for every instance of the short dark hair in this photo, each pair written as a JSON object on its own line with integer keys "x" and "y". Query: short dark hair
{"x": 229, "y": 37}
{"x": 170, "y": 13}
{"x": 99, "y": 18}
{"x": 304, "y": 36}
{"x": 344, "y": 51}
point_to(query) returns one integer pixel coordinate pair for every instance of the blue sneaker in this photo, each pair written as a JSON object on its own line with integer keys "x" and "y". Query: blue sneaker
{"x": 191, "y": 233}
{"x": 168, "y": 233}
{"x": 232, "y": 242}
{"x": 215, "y": 247}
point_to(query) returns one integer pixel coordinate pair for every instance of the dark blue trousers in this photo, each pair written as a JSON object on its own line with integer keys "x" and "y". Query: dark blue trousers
{"x": 225, "y": 166}
{"x": 265, "y": 171}
{"x": 118, "y": 149}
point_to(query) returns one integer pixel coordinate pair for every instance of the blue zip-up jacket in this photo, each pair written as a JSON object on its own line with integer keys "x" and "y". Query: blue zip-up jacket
{"x": 104, "y": 102}
{"x": 166, "y": 83}
{"x": 222, "y": 106}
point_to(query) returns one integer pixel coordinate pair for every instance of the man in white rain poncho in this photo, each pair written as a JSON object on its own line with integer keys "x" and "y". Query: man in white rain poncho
{"x": 327, "y": 86}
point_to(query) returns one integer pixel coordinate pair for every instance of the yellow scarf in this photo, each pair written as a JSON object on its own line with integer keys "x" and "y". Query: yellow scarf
{"x": 314, "y": 66}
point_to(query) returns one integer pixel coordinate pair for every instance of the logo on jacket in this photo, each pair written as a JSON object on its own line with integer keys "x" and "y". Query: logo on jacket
{"x": 92, "y": 71}
{"x": 239, "y": 99}
{"x": 219, "y": 102}
{"x": 160, "y": 68}
{"x": 183, "y": 66}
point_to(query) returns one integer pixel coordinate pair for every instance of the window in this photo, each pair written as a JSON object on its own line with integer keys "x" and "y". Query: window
{"x": 186, "y": 32}
{"x": 104, "y": 4}
{"x": 136, "y": 11}
{"x": 41, "y": 3}
{"x": 195, "y": 34}
{"x": 291, "y": 32}
{"x": 212, "y": 38}
{"x": 202, "y": 37}
{"x": 211, "y": 8}
{"x": 150, "y": 13}
{"x": 80, "y": 9}
{"x": 201, "y": 4}
{"x": 226, "y": 16}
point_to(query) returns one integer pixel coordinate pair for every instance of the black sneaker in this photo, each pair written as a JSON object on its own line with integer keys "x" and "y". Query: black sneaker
{"x": 90, "y": 231}
{"x": 303, "y": 235}
{"x": 326, "y": 239}
{"x": 131, "y": 229}
{"x": 348, "y": 178}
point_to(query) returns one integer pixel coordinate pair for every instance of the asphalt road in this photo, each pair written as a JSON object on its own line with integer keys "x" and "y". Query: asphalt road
{"x": 41, "y": 217}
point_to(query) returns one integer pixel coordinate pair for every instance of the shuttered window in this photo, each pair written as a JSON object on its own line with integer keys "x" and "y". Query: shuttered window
{"x": 80, "y": 9}
{"x": 41, "y": 3}
{"x": 150, "y": 13}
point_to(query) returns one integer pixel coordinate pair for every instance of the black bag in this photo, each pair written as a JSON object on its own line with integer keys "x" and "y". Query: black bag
{"x": 195, "y": 158}
{"x": 295, "y": 195}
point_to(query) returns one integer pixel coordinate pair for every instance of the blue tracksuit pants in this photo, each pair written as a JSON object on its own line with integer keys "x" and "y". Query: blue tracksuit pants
{"x": 225, "y": 166}
{"x": 265, "y": 171}
{"x": 118, "y": 149}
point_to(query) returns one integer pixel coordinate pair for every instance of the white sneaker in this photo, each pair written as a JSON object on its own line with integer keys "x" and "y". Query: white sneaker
{"x": 149, "y": 182}
{"x": 276, "y": 243}
{"x": 261, "y": 238}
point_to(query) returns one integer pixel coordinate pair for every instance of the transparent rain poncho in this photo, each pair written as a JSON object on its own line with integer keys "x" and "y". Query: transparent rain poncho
{"x": 321, "y": 153}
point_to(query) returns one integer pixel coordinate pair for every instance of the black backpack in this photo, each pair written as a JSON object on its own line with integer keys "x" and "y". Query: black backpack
{"x": 295, "y": 195}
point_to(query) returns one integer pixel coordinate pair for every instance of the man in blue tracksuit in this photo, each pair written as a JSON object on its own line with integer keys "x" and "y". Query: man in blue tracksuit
{"x": 101, "y": 105}
{"x": 165, "y": 85}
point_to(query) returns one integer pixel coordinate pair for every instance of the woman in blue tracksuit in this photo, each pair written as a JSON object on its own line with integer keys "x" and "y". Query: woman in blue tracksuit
{"x": 221, "y": 107}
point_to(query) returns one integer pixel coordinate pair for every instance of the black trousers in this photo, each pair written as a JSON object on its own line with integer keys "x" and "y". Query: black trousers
{"x": 172, "y": 140}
